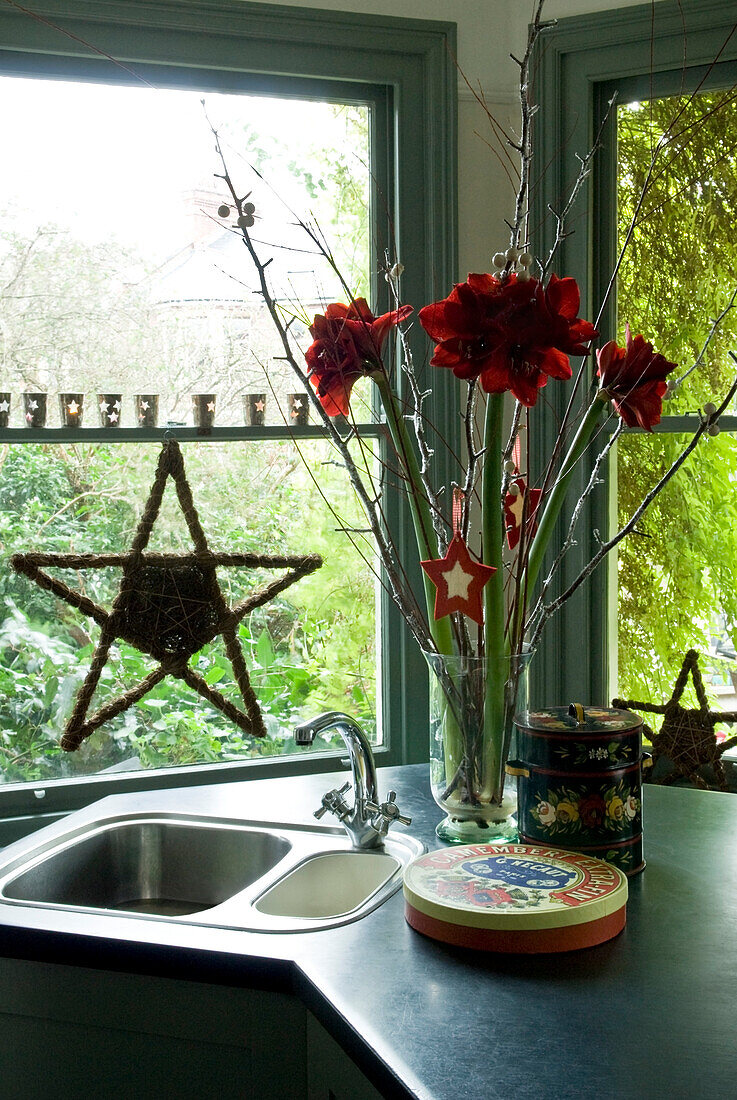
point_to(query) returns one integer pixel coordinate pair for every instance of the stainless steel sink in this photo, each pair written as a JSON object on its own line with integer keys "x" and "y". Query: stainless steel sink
{"x": 166, "y": 867}
{"x": 260, "y": 877}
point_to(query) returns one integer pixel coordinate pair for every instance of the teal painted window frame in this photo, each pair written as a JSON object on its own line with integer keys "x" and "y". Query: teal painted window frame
{"x": 405, "y": 66}
{"x": 638, "y": 51}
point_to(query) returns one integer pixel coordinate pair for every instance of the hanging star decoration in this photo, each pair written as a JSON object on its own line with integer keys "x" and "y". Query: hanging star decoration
{"x": 686, "y": 737}
{"x": 520, "y": 507}
{"x": 458, "y": 578}
{"x": 168, "y": 606}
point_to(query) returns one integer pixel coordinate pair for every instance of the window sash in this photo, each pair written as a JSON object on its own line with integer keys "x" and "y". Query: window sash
{"x": 583, "y": 61}
{"x": 404, "y": 69}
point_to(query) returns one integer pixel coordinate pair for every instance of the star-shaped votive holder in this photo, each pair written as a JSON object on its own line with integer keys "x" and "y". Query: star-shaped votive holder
{"x": 71, "y": 409}
{"x": 146, "y": 409}
{"x": 110, "y": 406}
{"x": 254, "y": 409}
{"x": 203, "y": 412}
{"x": 299, "y": 409}
{"x": 34, "y": 409}
{"x": 4, "y": 409}
{"x": 168, "y": 606}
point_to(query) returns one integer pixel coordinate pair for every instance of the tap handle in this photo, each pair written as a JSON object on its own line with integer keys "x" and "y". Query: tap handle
{"x": 334, "y": 802}
{"x": 388, "y": 812}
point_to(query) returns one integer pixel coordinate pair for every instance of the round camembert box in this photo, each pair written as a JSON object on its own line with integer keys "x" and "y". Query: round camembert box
{"x": 515, "y": 898}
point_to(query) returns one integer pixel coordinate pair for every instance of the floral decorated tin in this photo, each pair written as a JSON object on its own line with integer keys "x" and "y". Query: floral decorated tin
{"x": 580, "y": 782}
{"x": 514, "y": 897}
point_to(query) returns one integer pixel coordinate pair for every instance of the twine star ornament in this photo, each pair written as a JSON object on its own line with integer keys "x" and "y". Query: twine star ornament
{"x": 168, "y": 606}
{"x": 686, "y": 737}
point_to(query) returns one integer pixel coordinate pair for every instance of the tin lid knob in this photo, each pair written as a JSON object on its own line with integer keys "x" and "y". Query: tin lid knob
{"x": 575, "y": 710}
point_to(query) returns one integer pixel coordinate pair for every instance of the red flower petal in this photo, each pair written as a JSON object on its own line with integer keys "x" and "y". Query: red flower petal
{"x": 347, "y": 343}
{"x": 634, "y": 378}
{"x": 511, "y": 334}
{"x": 564, "y": 297}
{"x": 556, "y": 364}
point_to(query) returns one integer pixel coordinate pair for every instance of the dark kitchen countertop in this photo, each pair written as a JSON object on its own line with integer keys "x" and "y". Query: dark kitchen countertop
{"x": 646, "y": 1015}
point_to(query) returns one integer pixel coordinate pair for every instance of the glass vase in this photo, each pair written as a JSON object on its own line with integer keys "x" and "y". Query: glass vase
{"x": 472, "y": 705}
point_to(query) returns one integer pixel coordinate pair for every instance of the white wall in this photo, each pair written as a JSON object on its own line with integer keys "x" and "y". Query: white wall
{"x": 488, "y": 30}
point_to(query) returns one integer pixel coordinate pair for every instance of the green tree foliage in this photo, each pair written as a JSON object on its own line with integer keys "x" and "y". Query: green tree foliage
{"x": 309, "y": 652}
{"x": 678, "y": 574}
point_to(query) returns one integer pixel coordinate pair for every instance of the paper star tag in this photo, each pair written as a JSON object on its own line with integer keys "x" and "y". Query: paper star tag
{"x": 459, "y": 581}
{"x": 514, "y": 509}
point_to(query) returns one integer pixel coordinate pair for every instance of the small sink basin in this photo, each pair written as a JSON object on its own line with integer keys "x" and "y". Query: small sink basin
{"x": 329, "y": 885}
{"x": 164, "y": 867}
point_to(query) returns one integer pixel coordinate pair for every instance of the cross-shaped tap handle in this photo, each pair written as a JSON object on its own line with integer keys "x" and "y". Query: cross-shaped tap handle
{"x": 334, "y": 802}
{"x": 389, "y": 811}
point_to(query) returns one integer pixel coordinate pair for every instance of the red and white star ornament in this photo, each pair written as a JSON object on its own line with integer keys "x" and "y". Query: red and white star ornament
{"x": 459, "y": 581}
{"x": 515, "y": 509}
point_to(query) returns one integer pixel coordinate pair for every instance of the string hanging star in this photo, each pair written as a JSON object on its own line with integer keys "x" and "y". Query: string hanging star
{"x": 686, "y": 737}
{"x": 459, "y": 581}
{"x": 520, "y": 506}
{"x": 168, "y": 606}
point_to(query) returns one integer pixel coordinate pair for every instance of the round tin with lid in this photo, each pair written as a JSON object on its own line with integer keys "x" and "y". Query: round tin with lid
{"x": 577, "y": 738}
{"x": 517, "y": 898}
{"x": 580, "y": 781}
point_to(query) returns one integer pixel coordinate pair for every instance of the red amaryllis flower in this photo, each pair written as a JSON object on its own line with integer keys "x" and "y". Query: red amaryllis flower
{"x": 634, "y": 378}
{"x": 512, "y": 334}
{"x": 347, "y": 344}
{"x": 515, "y": 507}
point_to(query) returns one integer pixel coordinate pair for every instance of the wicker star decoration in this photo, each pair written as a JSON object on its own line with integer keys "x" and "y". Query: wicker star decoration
{"x": 686, "y": 737}
{"x": 168, "y": 606}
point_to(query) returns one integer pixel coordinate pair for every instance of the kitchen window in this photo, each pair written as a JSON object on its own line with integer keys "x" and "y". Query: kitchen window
{"x": 660, "y": 61}
{"x": 381, "y": 115}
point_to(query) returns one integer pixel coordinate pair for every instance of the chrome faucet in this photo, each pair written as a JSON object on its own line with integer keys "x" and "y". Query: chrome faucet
{"x": 367, "y": 821}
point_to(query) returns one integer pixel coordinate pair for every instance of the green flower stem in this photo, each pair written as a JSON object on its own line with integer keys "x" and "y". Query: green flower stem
{"x": 494, "y": 612}
{"x": 427, "y": 543}
{"x": 555, "y": 499}
{"x": 427, "y": 546}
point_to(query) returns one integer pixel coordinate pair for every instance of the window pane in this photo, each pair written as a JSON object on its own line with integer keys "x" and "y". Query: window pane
{"x": 308, "y": 650}
{"x": 678, "y": 574}
{"x": 120, "y": 281}
{"x": 119, "y": 274}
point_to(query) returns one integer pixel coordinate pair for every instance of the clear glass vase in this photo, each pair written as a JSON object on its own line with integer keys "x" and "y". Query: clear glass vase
{"x": 472, "y": 706}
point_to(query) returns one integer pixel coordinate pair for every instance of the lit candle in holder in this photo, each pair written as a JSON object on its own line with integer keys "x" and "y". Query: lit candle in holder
{"x": 71, "y": 407}
{"x": 4, "y": 409}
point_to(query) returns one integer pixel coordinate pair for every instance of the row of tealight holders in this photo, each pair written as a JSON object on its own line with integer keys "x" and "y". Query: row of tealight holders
{"x": 145, "y": 409}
